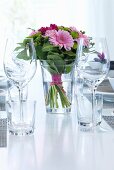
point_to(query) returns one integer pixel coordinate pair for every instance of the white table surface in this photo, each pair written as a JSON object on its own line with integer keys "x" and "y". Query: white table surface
{"x": 57, "y": 143}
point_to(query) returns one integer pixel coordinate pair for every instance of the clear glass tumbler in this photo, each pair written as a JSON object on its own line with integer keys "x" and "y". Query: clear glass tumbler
{"x": 21, "y": 125}
{"x": 84, "y": 106}
{"x": 58, "y": 86}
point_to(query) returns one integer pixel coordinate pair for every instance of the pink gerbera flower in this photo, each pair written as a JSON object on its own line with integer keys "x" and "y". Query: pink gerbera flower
{"x": 86, "y": 39}
{"x": 62, "y": 38}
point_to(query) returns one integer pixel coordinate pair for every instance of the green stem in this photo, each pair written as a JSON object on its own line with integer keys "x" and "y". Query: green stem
{"x": 52, "y": 97}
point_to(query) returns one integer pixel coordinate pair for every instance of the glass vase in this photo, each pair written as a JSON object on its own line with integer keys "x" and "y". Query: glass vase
{"x": 58, "y": 86}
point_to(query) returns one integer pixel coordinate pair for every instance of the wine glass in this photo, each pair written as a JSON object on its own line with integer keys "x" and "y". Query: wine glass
{"x": 20, "y": 66}
{"x": 93, "y": 65}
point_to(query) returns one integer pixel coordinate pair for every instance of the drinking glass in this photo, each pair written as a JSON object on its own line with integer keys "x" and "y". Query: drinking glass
{"x": 84, "y": 109}
{"x": 13, "y": 110}
{"x": 20, "y": 65}
{"x": 93, "y": 65}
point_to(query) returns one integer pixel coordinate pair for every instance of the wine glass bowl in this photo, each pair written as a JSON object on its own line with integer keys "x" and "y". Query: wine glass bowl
{"x": 93, "y": 61}
{"x": 20, "y": 62}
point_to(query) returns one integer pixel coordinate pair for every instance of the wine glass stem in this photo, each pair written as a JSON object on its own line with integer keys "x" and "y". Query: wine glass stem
{"x": 21, "y": 105}
{"x": 93, "y": 107}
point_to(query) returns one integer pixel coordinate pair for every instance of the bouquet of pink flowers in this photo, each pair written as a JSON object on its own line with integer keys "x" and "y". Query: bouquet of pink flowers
{"x": 57, "y": 45}
{"x": 56, "y": 40}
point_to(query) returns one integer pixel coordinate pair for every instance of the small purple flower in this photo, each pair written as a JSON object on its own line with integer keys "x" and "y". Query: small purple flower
{"x": 101, "y": 56}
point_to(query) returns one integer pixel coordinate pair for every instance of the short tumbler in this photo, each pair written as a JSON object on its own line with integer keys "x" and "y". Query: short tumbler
{"x": 21, "y": 124}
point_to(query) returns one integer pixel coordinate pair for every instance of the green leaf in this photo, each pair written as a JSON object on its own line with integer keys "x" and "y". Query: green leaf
{"x": 75, "y": 45}
{"x": 74, "y": 34}
{"x": 40, "y": 54}
{"x": 54, "y": 56}
{"x": 18, "y": 48}
{"x": 52, "y": 67}
{"x": 68, "y": 69}
{"x": 47, "y": 47}
{"x": 38, "y": 39}
{"x": 23, "y": 55}
{"x": 64, "y": 28}
{"x": 56, "y": 62}
{"x": 52, "y": 70}
{"x": 69, "y": 53}
{"x": 21, "y": 44}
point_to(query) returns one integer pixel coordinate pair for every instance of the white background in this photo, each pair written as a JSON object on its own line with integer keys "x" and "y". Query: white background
{"x": 93, "y": 16}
